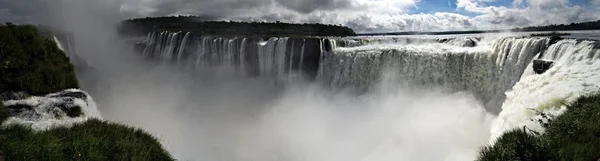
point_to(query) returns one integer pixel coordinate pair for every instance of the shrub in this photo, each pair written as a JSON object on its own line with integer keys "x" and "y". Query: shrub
{"x": 33, "y": 63}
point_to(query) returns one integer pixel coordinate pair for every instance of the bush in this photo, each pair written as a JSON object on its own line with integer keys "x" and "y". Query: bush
{"x": 33, "y": 63}
{"x": 575, "y": 135}
{"x": 93, "y": 140}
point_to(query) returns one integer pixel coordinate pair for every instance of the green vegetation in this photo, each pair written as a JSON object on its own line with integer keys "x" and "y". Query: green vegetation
{"x": 574, "y": 135}
{"x": 93, "y": 140}
{"x": 591, "y": 25}
{"x": 32, "y": 63}
{"x": 197, "y": 25}
{"x": 552, "y": 34}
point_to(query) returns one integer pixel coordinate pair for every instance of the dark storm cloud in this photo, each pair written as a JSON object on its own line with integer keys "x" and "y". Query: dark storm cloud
{"x": 22, "y": 11}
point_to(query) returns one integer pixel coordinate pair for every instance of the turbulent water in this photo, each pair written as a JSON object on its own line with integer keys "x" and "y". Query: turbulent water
{"x": 334, "y": 99}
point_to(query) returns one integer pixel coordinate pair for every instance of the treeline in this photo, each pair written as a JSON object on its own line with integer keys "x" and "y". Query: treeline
{"x": 196, "y": 25}
{"x": 592, "y": 25}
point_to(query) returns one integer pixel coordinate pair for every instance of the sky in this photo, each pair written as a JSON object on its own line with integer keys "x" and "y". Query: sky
{"x": 361, "y": 15}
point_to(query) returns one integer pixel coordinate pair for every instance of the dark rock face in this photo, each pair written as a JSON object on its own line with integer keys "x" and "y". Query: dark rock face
{"x": 74, "y": 94}
{"x": 541, "y": 66}
{"x": 460, "y": 41}
{"x": 5, "y": 96}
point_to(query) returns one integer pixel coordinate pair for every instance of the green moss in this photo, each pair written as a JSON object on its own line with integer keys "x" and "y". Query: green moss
{"x": 575, "y": 135}
{"x": 32, "y": 63}
{"x": 93, "y": 140}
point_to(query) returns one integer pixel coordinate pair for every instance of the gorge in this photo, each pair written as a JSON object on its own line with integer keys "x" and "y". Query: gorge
{"x": 307, "y": 91}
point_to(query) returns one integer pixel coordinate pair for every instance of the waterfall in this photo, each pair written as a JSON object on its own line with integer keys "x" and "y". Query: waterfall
{"x": 276, "y": 57}
{"x": 575, "y": 73}
{"x": 485, "y": 71}
{"x": 494, "y": 70}
{"x": 498, "y": 73}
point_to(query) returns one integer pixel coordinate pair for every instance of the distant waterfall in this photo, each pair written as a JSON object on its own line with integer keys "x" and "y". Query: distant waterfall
{"x": 278, "y": 57}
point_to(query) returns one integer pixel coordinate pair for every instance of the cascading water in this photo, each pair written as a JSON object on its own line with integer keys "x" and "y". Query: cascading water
{"x": 390, "y": 75}
{"x": 575, "y": 73}
{"x": 485, "y": 71}
{"x": 278, "y": 57}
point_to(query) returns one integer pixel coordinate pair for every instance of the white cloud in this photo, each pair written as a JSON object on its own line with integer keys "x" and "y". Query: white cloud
{"x": 596, "y": 3}
{"x": 362, "y": 15}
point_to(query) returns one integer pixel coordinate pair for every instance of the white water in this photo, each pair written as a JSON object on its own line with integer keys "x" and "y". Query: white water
{"x": 226, "y": 117}
{"x": 45, "y": 115}
{"x": 576, "y": 73}
{"x": 420, "y": 100}
{"x": 487, "y": 70}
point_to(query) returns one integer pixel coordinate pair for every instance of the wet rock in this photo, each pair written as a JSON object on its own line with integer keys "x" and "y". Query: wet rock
{"x": 541, "y": 66}
{"x": 13, "y": 96}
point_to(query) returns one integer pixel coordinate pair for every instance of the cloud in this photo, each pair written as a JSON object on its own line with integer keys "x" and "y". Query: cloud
{"x": 361, "y": 15}
{"x": 596, "y": 3}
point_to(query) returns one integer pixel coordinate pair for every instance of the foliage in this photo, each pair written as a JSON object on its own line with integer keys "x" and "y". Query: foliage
{"x": 551, "y": 34}
{"x": 93, "y": 140}
{"x": 591, "y": 25}
{"x": 197, "y": 25}
{"x": 32, "y": 63}
{"x": 575, "y": 135}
